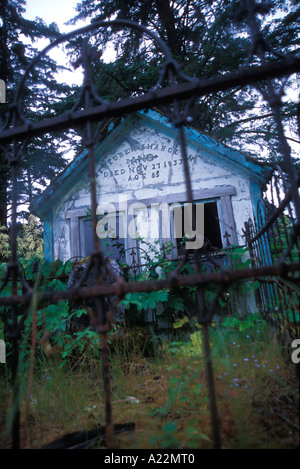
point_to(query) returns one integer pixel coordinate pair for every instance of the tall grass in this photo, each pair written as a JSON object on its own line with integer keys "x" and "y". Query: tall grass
{"x": 162, "y": 389}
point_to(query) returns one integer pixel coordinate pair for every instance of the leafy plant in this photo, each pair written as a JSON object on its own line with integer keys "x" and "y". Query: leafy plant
{"x": 30, "y": 243}
{"x": 166, "y": 438}
{"x": 80, "y": 344}
{"x": 4, "y": 244}
{"x": 243, "y": 324}
{"x": 165, "y": 305}
{"x": 145, "y": 300}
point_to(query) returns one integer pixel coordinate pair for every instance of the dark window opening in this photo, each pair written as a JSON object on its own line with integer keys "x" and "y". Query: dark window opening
{"x": 212, "y": 231}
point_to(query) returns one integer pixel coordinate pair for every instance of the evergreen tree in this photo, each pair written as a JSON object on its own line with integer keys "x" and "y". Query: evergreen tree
{"x": 4, "y": 244}
{"x": 30, "y": 243}
{"x": 208, "y": 39}
{"x": 44, "y": 156}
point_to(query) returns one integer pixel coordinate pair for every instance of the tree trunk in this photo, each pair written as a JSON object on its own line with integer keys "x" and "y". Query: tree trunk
{"x": 29, "y": 182}
{"x": 4, "y": 173}
{"x": 167, "y": 20}
{"x": 4, "y": 166}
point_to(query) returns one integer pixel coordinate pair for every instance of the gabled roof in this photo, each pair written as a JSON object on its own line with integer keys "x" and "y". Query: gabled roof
{"x": 115, "y": 129}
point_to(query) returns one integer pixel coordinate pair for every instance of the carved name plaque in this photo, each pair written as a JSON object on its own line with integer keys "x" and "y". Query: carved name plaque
{"x": 155, "y": 160}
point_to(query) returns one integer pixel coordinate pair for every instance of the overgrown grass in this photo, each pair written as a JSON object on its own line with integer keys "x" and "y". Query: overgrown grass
{"x": 165, "y": 393}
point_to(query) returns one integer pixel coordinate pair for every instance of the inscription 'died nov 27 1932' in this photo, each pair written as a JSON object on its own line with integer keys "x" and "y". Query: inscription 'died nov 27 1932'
{"x": 133, "y": 166}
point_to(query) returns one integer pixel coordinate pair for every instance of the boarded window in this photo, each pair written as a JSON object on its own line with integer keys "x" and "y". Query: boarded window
{"x": 113, "y": 245}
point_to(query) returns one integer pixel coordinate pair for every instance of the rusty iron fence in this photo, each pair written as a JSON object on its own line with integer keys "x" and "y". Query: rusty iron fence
{"x": 271, "y": 239}
{"x": 180, "y": 91}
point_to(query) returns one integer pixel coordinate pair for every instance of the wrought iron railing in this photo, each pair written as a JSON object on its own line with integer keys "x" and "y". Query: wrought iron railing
{"x": 272, "y": 240}
{"x": 90, "y": 108}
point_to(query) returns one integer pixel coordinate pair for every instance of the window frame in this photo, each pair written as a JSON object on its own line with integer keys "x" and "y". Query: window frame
{"x": 77, "y": 237}
{"x": 221, "y": 194}
{"x": 172, "y": 231}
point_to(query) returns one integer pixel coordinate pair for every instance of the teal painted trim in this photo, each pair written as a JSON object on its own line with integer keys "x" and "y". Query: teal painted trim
{"x": 256, "y": 196}
{"x": 48, "y": 240}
